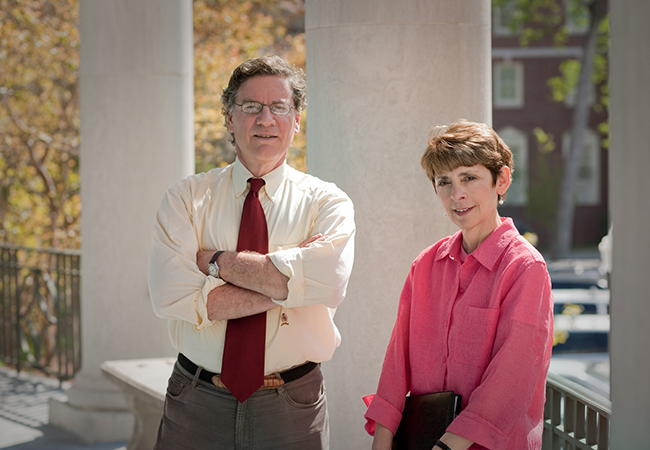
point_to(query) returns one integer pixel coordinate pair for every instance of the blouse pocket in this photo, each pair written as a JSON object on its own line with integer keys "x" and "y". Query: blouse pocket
{"x": 472, "y": 335}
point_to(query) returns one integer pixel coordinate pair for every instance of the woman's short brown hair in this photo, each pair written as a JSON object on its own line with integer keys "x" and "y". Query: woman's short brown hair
{"x": 465, "y": 143}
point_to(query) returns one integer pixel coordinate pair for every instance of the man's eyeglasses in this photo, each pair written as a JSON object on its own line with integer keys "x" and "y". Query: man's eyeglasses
{"x": 251, "y": 107}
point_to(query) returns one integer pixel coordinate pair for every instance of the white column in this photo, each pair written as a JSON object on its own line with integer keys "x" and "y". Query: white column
{"x": 137, "y": 139}
{"x": 380, "y": 74}
{"x": 629, "y": 187}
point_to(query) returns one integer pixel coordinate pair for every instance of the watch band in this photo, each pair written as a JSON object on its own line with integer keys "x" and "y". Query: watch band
{"x": 215, "y": 256}
{"x": 213, "y": 268}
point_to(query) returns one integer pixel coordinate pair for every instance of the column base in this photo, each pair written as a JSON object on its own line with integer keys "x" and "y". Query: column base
{"x": 91, "y": 426}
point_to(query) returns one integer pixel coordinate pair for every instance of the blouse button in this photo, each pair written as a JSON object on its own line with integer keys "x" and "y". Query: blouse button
{"x": 462, "y": 291}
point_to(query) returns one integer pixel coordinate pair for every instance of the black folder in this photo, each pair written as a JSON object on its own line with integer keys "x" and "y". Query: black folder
{"x": 425, "y": 419}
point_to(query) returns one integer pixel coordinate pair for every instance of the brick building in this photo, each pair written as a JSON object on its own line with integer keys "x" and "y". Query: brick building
{"x": 522, "y": 104}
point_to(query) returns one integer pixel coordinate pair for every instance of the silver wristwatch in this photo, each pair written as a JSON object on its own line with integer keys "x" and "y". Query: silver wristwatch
{"x": 213, "y": 268}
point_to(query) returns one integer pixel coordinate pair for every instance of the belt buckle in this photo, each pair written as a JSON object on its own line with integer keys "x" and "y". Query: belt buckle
{"x": 216, "y": 380}
{"x": 272, "y": 381}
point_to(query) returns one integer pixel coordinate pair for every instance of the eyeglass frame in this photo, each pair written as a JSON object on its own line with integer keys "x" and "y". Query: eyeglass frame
{"x": 262, "y": 105}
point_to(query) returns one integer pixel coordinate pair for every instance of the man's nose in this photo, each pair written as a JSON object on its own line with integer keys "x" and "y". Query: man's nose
{"x": 265, "y": 116}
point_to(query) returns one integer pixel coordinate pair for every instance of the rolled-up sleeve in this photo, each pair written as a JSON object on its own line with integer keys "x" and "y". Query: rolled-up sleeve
{"x": 319, "y": 273}
{"x": 178, "y": 289}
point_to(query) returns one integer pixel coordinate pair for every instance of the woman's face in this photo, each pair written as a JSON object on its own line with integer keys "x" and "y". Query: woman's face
{"x": 470, "y": 197}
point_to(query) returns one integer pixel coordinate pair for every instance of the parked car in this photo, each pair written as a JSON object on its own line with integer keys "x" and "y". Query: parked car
{"x": 577, "y": 274}
{"x": 581, "y": 310}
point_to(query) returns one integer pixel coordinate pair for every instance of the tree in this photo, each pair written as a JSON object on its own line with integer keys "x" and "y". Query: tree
{"x": 535, "y": 19}
{"x": 39, "y": 123}
{"x": 566, "y": 207}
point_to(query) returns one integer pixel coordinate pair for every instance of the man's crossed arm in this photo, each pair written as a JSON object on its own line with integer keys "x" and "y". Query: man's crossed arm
{"x": 252, "y": 280}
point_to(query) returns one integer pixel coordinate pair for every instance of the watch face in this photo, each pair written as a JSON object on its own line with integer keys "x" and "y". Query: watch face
{"x": 212, "y": 270}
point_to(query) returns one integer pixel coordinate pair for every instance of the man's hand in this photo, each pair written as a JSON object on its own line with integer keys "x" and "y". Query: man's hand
{"x": 311, "y": 239}
{"x": 203, "y": 258}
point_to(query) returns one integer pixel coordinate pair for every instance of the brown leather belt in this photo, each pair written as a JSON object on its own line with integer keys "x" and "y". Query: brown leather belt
{"x": 272, "y": 381}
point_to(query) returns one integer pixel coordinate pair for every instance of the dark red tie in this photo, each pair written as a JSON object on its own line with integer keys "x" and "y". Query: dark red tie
{"x": 243, "y": 354}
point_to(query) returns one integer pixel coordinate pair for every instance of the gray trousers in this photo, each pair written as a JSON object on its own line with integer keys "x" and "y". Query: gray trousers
{"x": 201, "y": 416}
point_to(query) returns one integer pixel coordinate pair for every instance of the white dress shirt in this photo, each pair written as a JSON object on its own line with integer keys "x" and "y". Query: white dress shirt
{"x": 203, "y": 212}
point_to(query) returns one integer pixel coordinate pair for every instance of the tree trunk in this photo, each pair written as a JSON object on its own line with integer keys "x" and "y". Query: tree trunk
{"x": 566, "y": 206}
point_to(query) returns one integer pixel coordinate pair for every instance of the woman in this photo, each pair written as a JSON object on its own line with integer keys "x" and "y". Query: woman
{"x": 475, "y": 314}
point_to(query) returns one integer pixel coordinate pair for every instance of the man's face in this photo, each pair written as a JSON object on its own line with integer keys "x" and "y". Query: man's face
{"x": 263, "y": 139}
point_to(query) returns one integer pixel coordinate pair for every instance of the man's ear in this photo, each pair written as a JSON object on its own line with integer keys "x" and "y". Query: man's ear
{"x": 229, "y": 122}
{"x": 296, "y": 127}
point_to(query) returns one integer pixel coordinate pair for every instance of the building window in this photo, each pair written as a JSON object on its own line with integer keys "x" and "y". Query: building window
{"x": 588, "y": 182}
{"x": 517, "y": 141}
{"x": 508, "y": 86}
{"x": 502, "y": 17}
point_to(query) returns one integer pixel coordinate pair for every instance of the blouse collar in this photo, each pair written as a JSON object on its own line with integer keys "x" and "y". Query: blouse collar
{"x": 489, "y": 251}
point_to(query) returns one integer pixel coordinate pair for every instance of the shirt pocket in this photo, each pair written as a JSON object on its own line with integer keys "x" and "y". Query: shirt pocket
{"x": 472, "y": 335}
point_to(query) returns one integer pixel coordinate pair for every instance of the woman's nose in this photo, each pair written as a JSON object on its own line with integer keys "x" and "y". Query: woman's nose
{"x": 457, "y": 192}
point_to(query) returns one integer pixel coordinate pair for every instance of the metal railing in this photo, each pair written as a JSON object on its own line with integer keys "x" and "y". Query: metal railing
{"x": 575, "y": 418}
{"x": 40, "y": 320}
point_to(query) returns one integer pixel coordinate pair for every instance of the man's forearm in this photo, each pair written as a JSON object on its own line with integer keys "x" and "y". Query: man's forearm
{"x": 254, "y": 272}
{"x": 232, "y": 302}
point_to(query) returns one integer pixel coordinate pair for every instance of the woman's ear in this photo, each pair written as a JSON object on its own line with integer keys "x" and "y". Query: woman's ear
{"x": 503, "y": 180}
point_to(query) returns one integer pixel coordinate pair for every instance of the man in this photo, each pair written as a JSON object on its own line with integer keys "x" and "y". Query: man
{"x": 251, "y": 307}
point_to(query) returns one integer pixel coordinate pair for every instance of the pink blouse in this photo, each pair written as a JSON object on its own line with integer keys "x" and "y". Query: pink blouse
{"x": 482, "y": 327}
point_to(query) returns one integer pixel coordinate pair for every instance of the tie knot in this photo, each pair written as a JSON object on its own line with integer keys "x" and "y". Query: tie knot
{"x": 256, "y": 184}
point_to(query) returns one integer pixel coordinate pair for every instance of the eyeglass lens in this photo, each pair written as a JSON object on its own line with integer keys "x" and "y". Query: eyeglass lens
{"x": 255, "y": 107}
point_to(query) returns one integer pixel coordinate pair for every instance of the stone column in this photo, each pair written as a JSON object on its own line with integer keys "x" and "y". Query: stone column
{"x": 380, "y": 74}
{"x": 630, "y": 184}
{"x": 137, "y": 139}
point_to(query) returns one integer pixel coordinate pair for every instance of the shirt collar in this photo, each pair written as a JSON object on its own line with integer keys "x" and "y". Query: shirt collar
{"x": 272, "y": 180}
{"x": 490, "y": 250}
